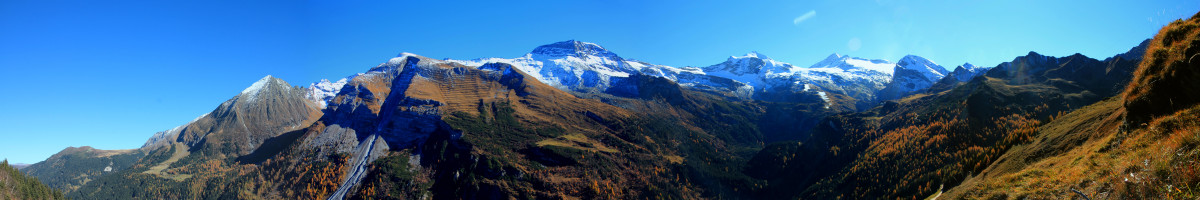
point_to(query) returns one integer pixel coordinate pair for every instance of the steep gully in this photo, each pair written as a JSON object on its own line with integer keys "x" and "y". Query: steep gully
{"x": 358, "y": 171}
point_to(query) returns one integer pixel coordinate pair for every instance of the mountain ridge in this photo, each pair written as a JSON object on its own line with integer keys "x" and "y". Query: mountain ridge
{"x": 571, "y": 119}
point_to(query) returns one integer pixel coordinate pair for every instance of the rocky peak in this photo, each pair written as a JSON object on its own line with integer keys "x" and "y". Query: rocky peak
{"x": 751, "y": 63}
{"x": 265, "y": 86}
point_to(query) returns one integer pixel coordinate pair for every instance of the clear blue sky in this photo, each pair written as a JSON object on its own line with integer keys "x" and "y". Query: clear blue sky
{"x": 110, "y": 74}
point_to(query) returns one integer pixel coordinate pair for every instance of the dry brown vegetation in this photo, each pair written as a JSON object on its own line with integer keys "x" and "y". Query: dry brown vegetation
{"x": 1167, "y": 73}
{"x": 1141, "y": 145}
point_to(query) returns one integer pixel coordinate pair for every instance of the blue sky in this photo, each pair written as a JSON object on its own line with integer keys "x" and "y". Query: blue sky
{"x": 110, "y": 74}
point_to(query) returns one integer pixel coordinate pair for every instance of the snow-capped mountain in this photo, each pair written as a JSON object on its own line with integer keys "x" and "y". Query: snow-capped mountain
{"x": 927, "y": 68}
{"x": 694, "y": 77}
{"x": 913, "y": 74}
{"x": 569, "y": 65}
{"x": 323, "y": 91}
{"x": 753, "y": 69}
{"x": 966, "y": 72}
{"x": 852, "y": 76}
{"x": 855, "y": 64}
{"x": 855, "y": 77}
{"x": 583, "y": 67}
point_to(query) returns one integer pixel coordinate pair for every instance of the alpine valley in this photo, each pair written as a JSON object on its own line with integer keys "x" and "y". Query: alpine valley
{"x": 573, "y": 120}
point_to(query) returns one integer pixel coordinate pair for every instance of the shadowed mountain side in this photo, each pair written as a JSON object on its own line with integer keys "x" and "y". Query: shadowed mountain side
{"x": 271, "y": 147}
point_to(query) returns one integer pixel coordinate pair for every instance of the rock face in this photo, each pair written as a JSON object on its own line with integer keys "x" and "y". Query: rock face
{"x": 266, "y": 109}
{"x": 913, "y": 74}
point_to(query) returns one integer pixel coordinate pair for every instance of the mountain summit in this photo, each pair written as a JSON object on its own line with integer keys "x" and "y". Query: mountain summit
{"x": 927, "y": 68}
{"x": 913, "y": 74}
{"x": 572, "y": 48}
{"x": 753, "y": 69}
{"x": 570, "y": 65}
{"x": 269, "y": 107}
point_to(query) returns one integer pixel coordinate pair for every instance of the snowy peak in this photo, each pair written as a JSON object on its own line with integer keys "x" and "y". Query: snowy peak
{"x": 966, "y": 66}
{"x": 832, "y": 58}
{"x": 932, "y": 71}
{"x": 752, "y": 63}
{"x": 569, "y": 65}
{"x": 266, "y": 84}
{"x": 912, "y": 60}
{"x": 321, "y": 92}
{"x": 752, "y": 54}
{"x": 572, "y": 48}
{"x": 913, "y": 74}
{"x": 845, "y": 62}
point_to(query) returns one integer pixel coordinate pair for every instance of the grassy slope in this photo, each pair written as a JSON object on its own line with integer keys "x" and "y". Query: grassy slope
{"x": 179, "y": 150}
{"x": 1140, "y": 146}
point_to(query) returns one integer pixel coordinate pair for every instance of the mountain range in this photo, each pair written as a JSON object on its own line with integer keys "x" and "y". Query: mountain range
{"x": 573, "y": 120}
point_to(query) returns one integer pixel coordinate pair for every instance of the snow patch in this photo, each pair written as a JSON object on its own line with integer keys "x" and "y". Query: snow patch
{"x": 824, "y": 97}
{"x": 258, "y": 85}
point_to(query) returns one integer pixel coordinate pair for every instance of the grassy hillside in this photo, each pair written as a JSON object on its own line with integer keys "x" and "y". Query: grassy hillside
{"x": 1172, "y": 62}
{"x": 1140, "y": 145}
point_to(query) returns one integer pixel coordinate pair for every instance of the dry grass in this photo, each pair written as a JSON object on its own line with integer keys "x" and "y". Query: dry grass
{"x": 180, "y": 152}
{"x": 577, "y": 141}
{"x": 107, "y": 153}
{"x": 1098, "y": 159}
{"x": 1167, "y": 69}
